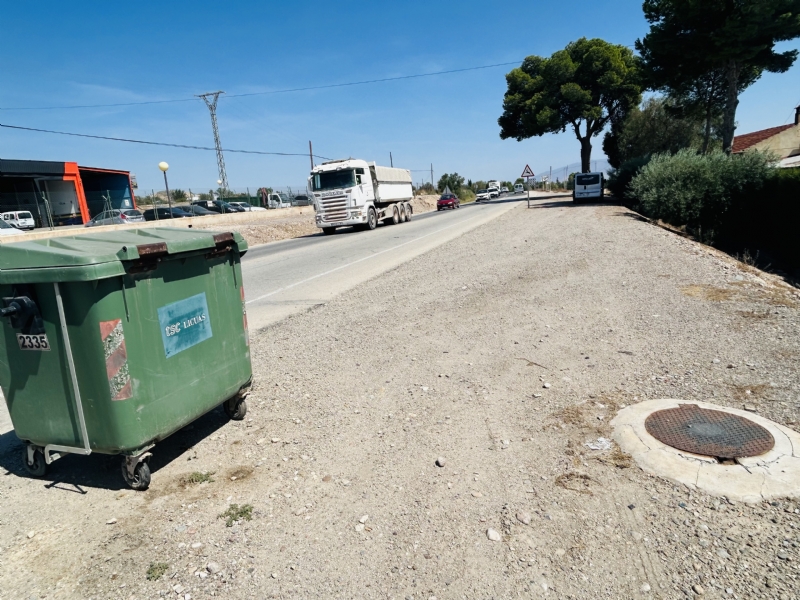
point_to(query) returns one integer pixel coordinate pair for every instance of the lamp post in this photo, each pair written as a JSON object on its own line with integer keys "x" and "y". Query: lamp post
{"x": 219, "y": 187}
{"x": 164, "y": 166}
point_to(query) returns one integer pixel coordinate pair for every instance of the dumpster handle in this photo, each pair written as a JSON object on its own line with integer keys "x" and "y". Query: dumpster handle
{"x": 79, "y": 405}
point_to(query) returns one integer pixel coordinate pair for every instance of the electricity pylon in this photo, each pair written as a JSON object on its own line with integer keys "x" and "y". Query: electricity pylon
{"x": 212, "y": 107}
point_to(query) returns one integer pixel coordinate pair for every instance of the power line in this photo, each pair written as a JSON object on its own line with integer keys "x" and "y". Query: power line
{"x": 114, "y": 139}
{"x": 285, "y": 91}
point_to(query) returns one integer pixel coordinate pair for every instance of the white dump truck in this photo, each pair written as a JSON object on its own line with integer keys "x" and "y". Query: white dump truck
{"x": 356, "y": 192}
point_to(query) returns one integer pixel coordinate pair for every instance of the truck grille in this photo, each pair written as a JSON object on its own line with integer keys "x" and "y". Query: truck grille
{"x": 334, "y": 208}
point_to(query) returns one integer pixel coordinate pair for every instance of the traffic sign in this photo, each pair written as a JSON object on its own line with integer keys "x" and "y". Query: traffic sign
{"x": 527, "y": 172}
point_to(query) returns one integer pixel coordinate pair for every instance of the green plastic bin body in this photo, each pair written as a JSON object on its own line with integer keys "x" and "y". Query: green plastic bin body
{"x": 157, "y": 326}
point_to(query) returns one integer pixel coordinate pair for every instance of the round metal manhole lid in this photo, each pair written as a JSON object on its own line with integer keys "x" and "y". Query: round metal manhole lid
{"x": 709, "y": 432}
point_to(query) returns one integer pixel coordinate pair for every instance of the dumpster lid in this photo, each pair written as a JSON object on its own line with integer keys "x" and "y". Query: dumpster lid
{"x": 100, "y": 255}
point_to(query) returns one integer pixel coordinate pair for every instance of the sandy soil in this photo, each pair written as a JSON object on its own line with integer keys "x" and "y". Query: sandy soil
{"x": 505, "y": 353}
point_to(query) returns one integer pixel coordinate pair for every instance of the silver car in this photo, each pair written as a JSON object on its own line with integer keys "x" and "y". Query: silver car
{"x": 117, "y": 217}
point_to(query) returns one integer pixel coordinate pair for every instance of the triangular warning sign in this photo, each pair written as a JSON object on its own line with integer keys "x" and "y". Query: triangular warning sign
{"x": 527, "y": 172}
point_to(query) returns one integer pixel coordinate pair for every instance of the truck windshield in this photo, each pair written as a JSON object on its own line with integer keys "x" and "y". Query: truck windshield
{"x": 331, "y": 180}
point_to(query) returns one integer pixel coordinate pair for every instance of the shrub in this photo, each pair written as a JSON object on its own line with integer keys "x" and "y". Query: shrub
{"x": 619, "y": 180}
{"x": 698, "y": 191}
{"x": 465, "y": 194}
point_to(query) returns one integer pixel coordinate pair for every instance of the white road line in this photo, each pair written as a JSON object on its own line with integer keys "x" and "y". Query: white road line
{"x": 355, "y": 262}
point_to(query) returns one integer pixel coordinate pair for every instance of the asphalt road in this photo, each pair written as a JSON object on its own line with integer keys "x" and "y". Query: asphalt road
{"x": 291, "y": 276}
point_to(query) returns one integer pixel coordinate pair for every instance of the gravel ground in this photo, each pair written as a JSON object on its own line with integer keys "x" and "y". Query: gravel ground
{"x": 500, "y": 355}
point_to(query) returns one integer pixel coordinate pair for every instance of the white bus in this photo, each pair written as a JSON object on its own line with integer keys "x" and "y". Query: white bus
{"x": 588, "y": 186}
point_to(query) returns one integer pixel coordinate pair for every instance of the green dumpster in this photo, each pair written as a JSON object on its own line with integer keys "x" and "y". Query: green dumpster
{"x": 113, "y": 341}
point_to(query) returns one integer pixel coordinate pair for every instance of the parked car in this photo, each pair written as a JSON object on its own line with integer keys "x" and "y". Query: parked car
{"x": 218, "y": 206}
{"x": 157, "y": 214}
{"x": 8, "y": 230}
{"x": 302, "y": 200}
{"x": 117, "y": 217}
{"x": 503, "y": 190}
{"x": 21, "y": 219}
{"x": 447, "y": 201}
{"x": 197, "y": 211}
{"x": 494, "y": 192}
{"x": 247, "y": 207}
{"x": 482, "y": 195}
{"x": 518, "y": 188}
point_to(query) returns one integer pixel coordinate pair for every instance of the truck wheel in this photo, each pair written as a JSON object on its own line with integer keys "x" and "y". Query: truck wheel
{"x": 235, "y": 408}
{"x": 395, "y": 215}
{"x": 39, "y": 466}
{"x": 141, "y": 476}
{"x": 372, "y": 219}
{"x": 329, "y": 230}
{"x": 409, "y": 212}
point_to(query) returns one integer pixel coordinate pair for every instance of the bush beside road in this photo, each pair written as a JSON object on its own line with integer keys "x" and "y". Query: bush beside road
{"x": 505, "y": 363}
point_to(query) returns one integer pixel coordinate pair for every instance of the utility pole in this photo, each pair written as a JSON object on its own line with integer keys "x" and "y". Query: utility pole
{"x": 311, "y": 155}
{"x": 550, "y": 180}
{"x": 432, "y": 174}
{"x": 391, "y": 160}
{"x": 212, "y": 107}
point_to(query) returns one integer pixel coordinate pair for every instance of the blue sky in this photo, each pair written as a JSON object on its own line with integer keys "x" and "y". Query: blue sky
{"x": 108, "y": 52}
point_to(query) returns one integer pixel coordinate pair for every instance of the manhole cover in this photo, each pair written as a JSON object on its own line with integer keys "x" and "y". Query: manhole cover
{"x": 708, "y": 432}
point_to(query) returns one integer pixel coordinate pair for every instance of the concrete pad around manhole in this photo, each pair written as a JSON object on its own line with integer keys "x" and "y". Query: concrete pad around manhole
{"x": 774, "y": 474}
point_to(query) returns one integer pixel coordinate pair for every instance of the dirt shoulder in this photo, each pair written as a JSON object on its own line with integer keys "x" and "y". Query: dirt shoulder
{"x": 298, "y": 225}
{"x": 507, "y": 351}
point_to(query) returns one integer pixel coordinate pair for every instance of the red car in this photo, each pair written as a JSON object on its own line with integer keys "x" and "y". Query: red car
{"x": 447, "y": 201}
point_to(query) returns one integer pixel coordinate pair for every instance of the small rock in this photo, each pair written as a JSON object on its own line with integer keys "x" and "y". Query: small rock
{"x": 783, "y": 555}
{"x": 359, "y": 527}
{"x": 424, "y": 388}
{"x": 299, "y": 512}
{"x": 111, "y": 521}
{"x": 178, "y": 588}
{"x": 261, "y": 441}
{"x": 560, "y": 552}
{"x": 493, "y": 535}
{"x": 197, "y": 545}
{"x": 31, "y": 534}
{"x": 524, "y": 517}
{"x": 212, "y": 567}
{"x": 645, "y": 588}
{"x": 275, "y": 440}
{"x": 546, "y": 386}
{"x": 441, "y": 461}
{"x": 698, "y": 589}
{"x": 731, "y": 366}
{"x": 364, "y": 519}
{"x": 715, "y": 361}
{"x": 537, "y": 395}
{"x": 477, "y": 495}
{"x": 274, "y": 575}
{"x": 327, "y": 478}
{"x": 750, "y": 408}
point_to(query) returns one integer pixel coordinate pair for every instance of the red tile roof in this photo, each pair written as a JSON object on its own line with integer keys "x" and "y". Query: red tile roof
{"x": 743, "y": 142}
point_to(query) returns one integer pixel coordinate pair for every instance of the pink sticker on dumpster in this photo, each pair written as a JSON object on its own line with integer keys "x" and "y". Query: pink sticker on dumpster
{"x": 116, "y": 355}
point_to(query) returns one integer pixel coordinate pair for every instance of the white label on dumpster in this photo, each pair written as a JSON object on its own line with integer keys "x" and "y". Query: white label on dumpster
{"x": 184, "y": 324}
{"x": 37, "y": 343}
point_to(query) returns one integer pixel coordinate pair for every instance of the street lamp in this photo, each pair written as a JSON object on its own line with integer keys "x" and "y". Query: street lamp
{"x": 164, "y": 166}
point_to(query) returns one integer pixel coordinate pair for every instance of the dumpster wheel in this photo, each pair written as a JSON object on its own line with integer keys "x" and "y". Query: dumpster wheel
{"x": 235, "y": 408}
{"x": 33, "y": 457}
{"x": 136, "y": 471}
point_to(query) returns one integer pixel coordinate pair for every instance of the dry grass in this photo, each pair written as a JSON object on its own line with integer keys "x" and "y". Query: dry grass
{"x": 742, "y": 392}
{"x": 753, "y": 315}
{"x": 575, "y": 482}
{"x": 616, "y": 458}
{"x": 707, "y": 292}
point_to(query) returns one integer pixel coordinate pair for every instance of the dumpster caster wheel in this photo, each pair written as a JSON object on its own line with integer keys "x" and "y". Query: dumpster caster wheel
{"x": 140, "y": 478}
{"x": 235, "y": 408}
{"x": 34, "y": 461}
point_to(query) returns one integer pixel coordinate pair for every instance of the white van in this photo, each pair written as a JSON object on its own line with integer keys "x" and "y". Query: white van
{"x": 518, "y": 188}
{"x": 21, "y": 219}
{"x": 588, "y": 186}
